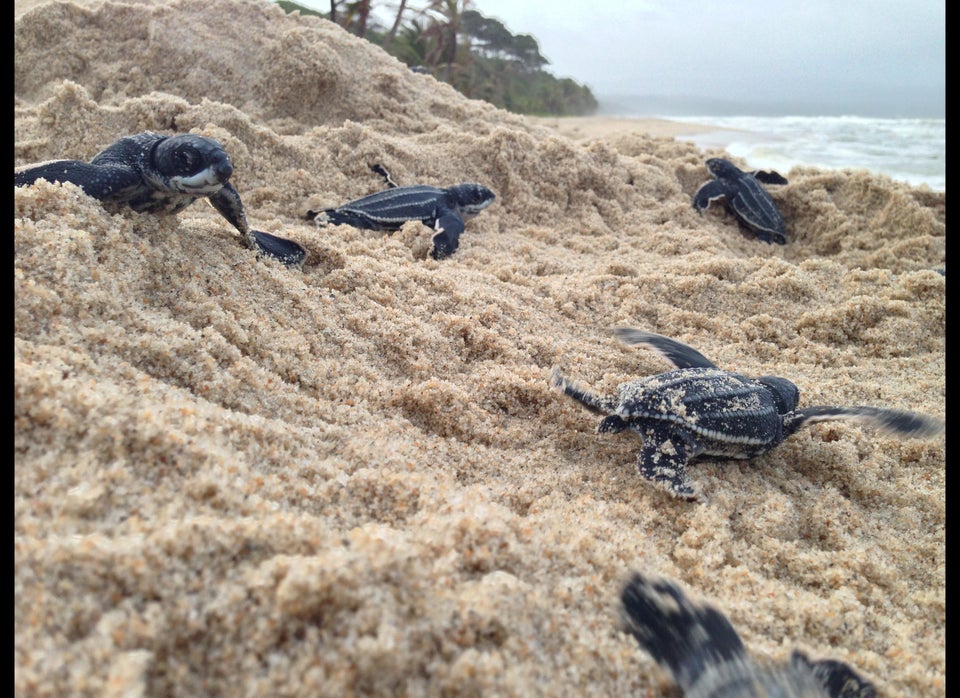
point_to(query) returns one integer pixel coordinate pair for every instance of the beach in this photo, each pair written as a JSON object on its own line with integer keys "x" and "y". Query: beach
{"x": 589, "y": 128}
{"x": 236, "y": 478}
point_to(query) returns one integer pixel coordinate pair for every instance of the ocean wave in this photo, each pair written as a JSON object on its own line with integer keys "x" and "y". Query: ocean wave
{"x": 908, "y": 150}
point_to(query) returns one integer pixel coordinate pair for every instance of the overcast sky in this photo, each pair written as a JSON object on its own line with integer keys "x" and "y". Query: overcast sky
{"x": 891, "y": 51}
{"x": 884, "y": 52}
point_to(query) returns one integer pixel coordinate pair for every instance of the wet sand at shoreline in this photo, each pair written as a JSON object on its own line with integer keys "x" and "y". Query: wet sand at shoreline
{"x": 587, "y": 128}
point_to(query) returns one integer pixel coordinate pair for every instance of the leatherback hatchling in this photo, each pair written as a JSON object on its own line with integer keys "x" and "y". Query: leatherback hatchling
{"x": 743, "y": 196}
{"x": 444, "y": 210}
{"x": 163, "y": 175}
{"x": 705, "y": 656}
{"x": 698, "y": 410}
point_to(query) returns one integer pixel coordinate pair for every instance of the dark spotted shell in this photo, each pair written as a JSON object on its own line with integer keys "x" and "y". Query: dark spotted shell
{"x": 729, "y": 414}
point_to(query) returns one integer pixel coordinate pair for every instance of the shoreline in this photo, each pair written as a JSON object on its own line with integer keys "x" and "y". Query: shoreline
{"x": 585, "y": 128}
{"x": 775, "y": 148}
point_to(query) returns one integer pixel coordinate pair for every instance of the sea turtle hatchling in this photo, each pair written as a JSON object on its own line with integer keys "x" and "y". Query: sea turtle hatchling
{"x": 703, "y": 653}
{"x": 163, "y": 175}
{"x": 697, "y": 409}
{"x": 743, "y": 196}
{"x": 444, "y": 210}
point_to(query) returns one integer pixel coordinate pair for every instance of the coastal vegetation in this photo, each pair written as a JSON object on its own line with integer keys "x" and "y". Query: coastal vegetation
{"x": 455, "y": 43}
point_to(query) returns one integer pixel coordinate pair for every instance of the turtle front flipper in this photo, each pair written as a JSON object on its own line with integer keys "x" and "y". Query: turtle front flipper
{"x": 287, "y": 252}
{"x": 663, "y": 460}
{"x": 677, "y": 353}
{"x": 705, "y": 655}
{"x": 692, "y": 641}
{"x": 446, "y": 240}
{"x": 708, "y": 193}
{"x": 769, "y": 177}
{"x": 227, "y": 202}
{"x": 98, "y": 181}
{"x": 897, "y": 422}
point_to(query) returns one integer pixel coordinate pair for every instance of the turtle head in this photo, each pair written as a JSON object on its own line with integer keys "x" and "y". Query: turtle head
{"x": 191, "y": 164}
{"x": 472, "y": 198}
{"x": 786, "y": 395}
{"x": 720, "y": 168}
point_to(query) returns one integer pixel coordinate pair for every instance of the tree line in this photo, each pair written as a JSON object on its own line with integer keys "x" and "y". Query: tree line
{"x": 455, "y": 43}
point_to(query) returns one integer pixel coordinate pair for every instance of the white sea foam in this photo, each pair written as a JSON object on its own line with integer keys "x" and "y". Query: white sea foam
{"x": 781, "y": 136}
{"x": 907, "y": 150}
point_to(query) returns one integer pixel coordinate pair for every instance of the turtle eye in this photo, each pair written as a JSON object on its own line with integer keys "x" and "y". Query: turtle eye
{"x": 188, "y": 160}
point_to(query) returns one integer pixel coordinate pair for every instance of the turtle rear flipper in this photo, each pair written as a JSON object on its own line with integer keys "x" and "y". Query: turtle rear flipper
{"x": 898, "y": 422}
{"x": 590, "y": 400}
{"x": 614, "y": 424}
{"x": 351, "y": 217}
{"x": 663, "y": 461}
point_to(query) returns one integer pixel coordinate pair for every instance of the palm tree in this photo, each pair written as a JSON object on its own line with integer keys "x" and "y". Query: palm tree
{"x": 445, "y": 33}
{"x": 475, "y": 54}
{"x": 409, "y": 45}
{"x": 391, "y": 35}
{"x": 355, "y": 15}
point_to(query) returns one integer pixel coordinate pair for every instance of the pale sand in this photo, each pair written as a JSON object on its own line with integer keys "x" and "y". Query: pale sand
{"x": 236, "y": 479}
{"x": 588, "y": 128}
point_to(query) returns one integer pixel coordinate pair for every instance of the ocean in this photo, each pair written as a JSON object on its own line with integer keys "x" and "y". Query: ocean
{"x": 911, "y": 150}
